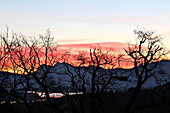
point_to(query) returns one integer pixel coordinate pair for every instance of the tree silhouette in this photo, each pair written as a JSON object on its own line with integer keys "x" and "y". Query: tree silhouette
{"x": 33, "y": 57}
{"x": 92, "y": 78}
{"x": 89, "y": 77}
{"x": 149, "y": 48}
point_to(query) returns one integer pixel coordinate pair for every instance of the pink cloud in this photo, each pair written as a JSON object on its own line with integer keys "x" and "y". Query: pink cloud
{"x": 87, "y": 46}
{"x": 74, "y": 40}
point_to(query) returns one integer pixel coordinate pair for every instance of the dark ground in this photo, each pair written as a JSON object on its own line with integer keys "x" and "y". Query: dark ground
{"x": 156, "y": 100}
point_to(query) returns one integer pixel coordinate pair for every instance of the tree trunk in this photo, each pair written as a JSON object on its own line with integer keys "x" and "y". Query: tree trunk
{"x": 132, "y": 98}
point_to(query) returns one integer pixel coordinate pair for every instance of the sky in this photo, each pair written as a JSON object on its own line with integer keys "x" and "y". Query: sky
{"x": 86, "y": 21}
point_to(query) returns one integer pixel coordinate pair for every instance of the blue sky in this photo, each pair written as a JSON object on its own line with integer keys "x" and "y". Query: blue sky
{"x": 86, "y": 21}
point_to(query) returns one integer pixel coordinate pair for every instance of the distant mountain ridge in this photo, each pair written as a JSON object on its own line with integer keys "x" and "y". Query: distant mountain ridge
{"x": 60, "y": 75}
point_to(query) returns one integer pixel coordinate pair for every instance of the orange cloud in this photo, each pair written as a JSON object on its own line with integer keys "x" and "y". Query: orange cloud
{"x": 30, "y": 58}
{"x": 73, "y": 40}
{"x": 87, "y": 46}
{"x": 114, "y": 49}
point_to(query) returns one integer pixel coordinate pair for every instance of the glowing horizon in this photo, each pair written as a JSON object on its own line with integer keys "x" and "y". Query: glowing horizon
{"x": 74, "y": 50}
{"x": 117, "y": 48}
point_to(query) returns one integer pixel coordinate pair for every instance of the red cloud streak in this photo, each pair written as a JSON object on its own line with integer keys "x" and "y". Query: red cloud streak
{"x": 87, "y": 46}
{"x": 73, "y": 49}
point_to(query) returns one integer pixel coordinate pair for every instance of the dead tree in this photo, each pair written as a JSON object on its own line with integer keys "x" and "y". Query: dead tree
{"x": 93, "y": 75}
{"x": 149, "y": 48}
{"x": 6, "y": 84}
{"x": 33, "y": 57}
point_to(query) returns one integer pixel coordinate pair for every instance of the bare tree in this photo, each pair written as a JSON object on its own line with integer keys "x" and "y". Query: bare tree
{"x": 148, "y": 49}
{"x": 33, "y": 57}
{"x": 93, "y": 75}
{"x": 6, "y": 84}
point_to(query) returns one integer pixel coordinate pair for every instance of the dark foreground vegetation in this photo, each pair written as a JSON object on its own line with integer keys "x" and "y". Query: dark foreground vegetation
{"x": 156, "y": 100}
{"x": 96, "y": 75}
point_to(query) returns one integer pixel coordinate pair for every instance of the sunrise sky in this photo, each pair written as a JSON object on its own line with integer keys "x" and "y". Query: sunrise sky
{"x": 86, "y": 21}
